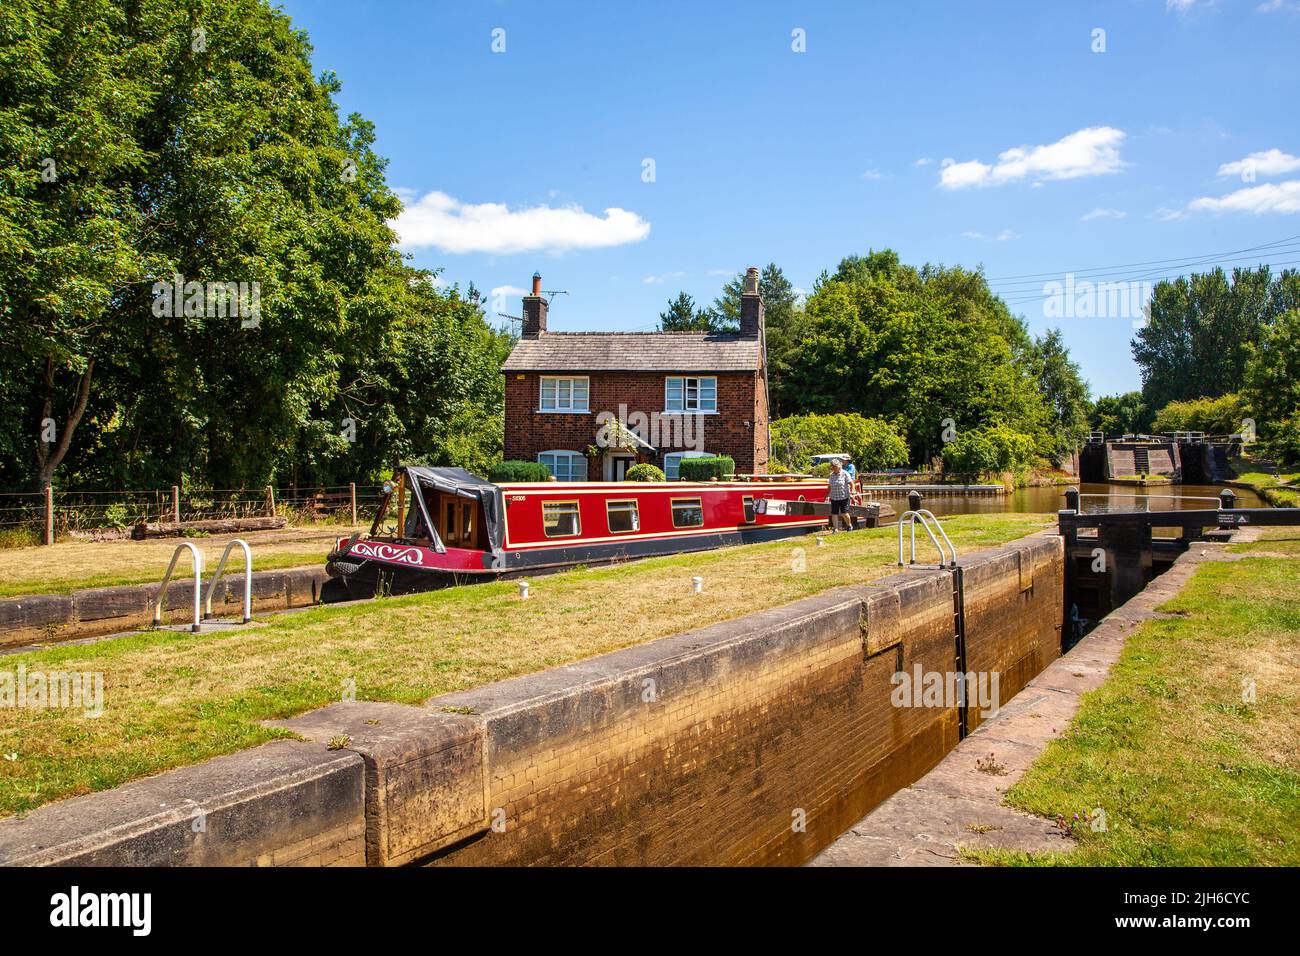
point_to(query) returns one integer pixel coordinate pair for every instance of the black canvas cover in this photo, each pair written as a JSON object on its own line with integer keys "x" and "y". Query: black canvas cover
{"x": 466, "y": 484}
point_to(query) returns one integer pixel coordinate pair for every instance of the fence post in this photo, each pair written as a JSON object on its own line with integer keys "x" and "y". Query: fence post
{"x": 49, "y": 514}
{"x": 176, "y": 504}
{"x": 270, "y": 499}
{"x": 352, "y": 489}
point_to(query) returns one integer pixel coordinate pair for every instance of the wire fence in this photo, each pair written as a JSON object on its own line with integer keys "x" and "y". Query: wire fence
{"x": 91, "y": 511}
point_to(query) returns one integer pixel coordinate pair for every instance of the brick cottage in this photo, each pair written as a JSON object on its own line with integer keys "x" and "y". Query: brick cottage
{"x": 681, "y": 393}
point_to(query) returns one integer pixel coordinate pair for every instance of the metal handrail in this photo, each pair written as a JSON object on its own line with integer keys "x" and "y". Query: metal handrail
{"x": 197, "y": 560}
{"x": 910, "y": 517}
{"x": 248, "y": 580}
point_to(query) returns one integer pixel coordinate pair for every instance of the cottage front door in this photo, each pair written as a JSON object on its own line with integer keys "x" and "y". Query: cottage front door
{"x": 616, "y": 466}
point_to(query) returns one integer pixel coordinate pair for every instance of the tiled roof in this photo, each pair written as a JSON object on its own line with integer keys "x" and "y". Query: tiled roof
{"x": 634, "y": 351}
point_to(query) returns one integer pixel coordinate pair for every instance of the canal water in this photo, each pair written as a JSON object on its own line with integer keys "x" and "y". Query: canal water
{"x": 1094, "y": 497}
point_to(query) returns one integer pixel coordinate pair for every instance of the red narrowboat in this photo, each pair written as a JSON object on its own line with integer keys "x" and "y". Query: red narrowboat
{"x": 445, "y": 525}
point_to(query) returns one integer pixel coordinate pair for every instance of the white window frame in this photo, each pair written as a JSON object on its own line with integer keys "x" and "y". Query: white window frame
{"x": 564, "y": 404}
{"x": 684, "y": 387}
{"x": 671, "y": 472}
{"x": 578, "y": 468}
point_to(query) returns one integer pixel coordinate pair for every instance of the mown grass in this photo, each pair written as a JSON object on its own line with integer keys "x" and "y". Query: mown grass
{"x": 1280, "y": 489}
{"x": 1187, "y": 767}
{"x": 172, "y": 698}
{"x": 69, "y": 565}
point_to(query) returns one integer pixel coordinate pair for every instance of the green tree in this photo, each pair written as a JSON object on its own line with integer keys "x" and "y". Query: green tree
{"x": 682, "y": 316}
{"x": 1201, "y": 328}
{"x": 1066, "y": 393}
{"x": 1216, "y": 416}
{"x": 1125, "y": 414}
{"x": 871, "y": 442}
{"x": 1272, "y": 388}
{"x": 931, "y": 347}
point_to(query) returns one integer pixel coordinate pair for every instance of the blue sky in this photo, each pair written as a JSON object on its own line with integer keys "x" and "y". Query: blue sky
{"x": 966, "y": 133}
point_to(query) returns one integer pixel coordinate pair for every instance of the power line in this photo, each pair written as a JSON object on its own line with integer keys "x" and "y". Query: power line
{"x": 1151, "y": 262}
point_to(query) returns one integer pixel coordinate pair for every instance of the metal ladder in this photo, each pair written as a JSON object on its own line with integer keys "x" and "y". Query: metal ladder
{"x": 925, "y": 517}
{"x": 202, "y": 605}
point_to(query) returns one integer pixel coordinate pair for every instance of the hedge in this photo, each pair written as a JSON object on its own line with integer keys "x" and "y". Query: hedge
{"x": 519, "y": 471}
{"x": 704, "y": 469}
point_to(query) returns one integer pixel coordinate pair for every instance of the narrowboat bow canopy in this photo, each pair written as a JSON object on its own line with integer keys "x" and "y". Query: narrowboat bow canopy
{"x": 465, "y": 484}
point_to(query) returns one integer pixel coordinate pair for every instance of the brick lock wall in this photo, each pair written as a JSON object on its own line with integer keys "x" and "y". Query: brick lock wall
{"x": 738, "y": 430}
{"x": 753, "y": 726}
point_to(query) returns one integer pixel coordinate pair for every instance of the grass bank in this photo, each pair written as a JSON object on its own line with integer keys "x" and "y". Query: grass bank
{"x": 69, "y": 565}
{"x": 1192, "y": 746}
{"x": 172, "y": 698}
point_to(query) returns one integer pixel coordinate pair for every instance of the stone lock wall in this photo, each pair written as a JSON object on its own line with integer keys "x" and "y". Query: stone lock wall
{"x": 752, "y": 742}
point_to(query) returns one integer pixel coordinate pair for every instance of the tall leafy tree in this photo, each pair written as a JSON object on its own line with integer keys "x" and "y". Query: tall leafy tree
{"x": 682, "y": 315}
{"x": 1201, "y": 328}
{"x": 1066, "y": 393}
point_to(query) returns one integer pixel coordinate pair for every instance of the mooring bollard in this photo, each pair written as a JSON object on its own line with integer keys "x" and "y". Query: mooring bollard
{"x": 699, "y": 585}
{"x": 821, "y": 541}
{"x": 523, "y": 590}
{"x": 1072, "y": 499}
{"x": 1227, "y": 499}
{"x": 913, "y": 500}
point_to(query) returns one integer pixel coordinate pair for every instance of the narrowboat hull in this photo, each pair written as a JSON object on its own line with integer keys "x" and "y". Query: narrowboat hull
{"x": 353, "y": 577}
{"x": 456, "y": 528}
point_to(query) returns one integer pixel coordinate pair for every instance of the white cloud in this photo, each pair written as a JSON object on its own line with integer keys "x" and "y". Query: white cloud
{"x": 1182, "y": 6}
{"x": 1093, "y": 151}
{"x": 1270, "y": 197}
{"x": 923, "y": 161}
{"x": 443, "y": 222}
{"x": 661, "y": 279}
{"x": 1170, "y": 214}
{"x": 872, "y": 174}
{"x": 1103, "y": 213}
{"x": 508, "y": 290}
{"x": 720, "y": 272}
{"x": 1003, "y": 236}
{"x": 1269, "y": 162}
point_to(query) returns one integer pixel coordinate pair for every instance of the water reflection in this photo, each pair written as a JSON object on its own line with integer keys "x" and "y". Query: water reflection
{"x": 1095, "y": 497}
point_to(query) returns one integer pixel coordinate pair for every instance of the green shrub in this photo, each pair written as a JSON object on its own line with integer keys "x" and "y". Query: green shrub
{"x": 1215, "y": 416}
{"x": 969, "y": 455}
{"x": 873, "y": 443}
{"x": 644, "y": 472}
{"x": 115, "y": 516}
{"x": 1283, "y": 442}
{"x": 995, "y": 448}
{"x": 508, "y": 471}
{"x": 704, "y": 469}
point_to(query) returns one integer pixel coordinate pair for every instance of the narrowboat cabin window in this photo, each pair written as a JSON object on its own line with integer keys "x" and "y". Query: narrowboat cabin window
{"x": 565, "y": 465}
{"x": 563, "y": 394}
{"x": 749, "y": 509}
{"x": 623, "y": 517}
{"x": 691, "y": 394}
{"x": 688, "y": 513}
{"x": 560, "y": 519}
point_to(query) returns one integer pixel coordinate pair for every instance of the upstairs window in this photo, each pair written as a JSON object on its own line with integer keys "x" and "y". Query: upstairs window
{"x": 691, "y": 394}
{"x": 564, "y": 394}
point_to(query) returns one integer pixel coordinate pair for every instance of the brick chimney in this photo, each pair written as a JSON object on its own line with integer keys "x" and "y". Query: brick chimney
{"x": 535, "y": 310}
{"x": 751, "y": 306}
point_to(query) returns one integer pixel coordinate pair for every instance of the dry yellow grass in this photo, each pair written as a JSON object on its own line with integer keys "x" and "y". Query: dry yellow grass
{"x": 173, "y": 698}
{"x": 69, "y": 565}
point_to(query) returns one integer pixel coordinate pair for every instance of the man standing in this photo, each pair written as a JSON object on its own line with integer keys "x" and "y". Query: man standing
{"x": 840, "y": 486}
